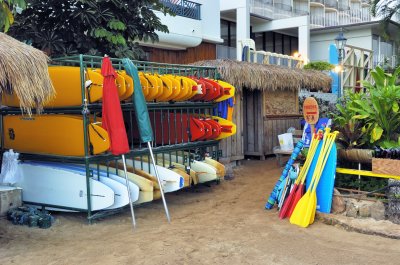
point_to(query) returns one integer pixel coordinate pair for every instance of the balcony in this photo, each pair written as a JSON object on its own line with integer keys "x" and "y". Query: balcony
{"x": 183, "y": 8}
{"x": 331, "y": 4}
{"x": 344, "y": 5}
{"x": 321, "y": 2}
{"x": 340, "y": 18}
{"x": 271, "y": 10}
{"x": 317, "y": 21}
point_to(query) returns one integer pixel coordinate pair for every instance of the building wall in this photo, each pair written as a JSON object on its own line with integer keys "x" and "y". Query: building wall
{"x": 205, "y": 51}
{"x": 320, "y": 42}
{"x": 186, "y": 32}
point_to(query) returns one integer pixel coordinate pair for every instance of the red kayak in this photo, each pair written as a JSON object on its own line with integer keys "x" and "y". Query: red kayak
{"x": 204, "y": 88}
{"x": 216, "y": 128}
{"x": 208, "y": 130}
{"x": 213, "y": 90}
{"x": 176, "y": 128}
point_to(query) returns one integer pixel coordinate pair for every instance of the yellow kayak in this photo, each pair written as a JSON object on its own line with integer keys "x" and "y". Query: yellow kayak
{"x": 167, "y": 88}
{"x": 128, "y": 84}
{"x": 67, "y": 84}
{"x": 228, "y": 127}
{"x": 52, "y": 134}
{"x": 225, "y": 85}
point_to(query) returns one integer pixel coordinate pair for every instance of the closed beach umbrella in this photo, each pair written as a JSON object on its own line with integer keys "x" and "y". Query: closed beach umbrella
{"x": 113, "y": 121}
{"x": 143, "y": 119}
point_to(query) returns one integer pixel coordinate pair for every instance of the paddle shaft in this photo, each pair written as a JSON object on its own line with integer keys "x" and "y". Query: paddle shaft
{"x": 310, "y": 156}
{"x": 159, "y": 182}
{"x": 326, "y": 155}
{"x": 129, "y": 192}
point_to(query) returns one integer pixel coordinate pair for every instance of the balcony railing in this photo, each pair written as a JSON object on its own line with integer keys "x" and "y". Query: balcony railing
{"x": 271, "y": 10}
{"x": 317, "y": 21}
{"x": 317, "y": 1}
{"x": 183, "y": 8}
{"x": 331, "y": 3}
{"x": 344, "y": 6}
{"x": 341, "y": 18}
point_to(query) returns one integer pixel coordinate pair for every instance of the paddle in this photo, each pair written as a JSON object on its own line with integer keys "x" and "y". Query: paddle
{"x": 315, "y": 185}
{"x": 301, "y": 206}
{"x": 298, "y": 189}
{"x": 304, "y": 211}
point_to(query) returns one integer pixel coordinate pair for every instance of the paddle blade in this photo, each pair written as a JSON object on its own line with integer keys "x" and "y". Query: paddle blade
{"x": 305, "y": 210}
{"x": 299, "y": 212}
{"x": 285, "y": 210}
{"x": 312, "y": 216}
{"x": 297, "y": 196}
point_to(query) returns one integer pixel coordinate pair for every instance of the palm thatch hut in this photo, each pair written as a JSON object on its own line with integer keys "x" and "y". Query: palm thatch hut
{"x": 23, "y": 71}
{"x": 267, "y": 103}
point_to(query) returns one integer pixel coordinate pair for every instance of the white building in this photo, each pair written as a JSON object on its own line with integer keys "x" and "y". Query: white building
{"x": 209, "y": 29}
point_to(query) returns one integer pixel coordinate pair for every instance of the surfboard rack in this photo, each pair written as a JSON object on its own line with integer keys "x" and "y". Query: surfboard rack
{"x": 172, "y": 136}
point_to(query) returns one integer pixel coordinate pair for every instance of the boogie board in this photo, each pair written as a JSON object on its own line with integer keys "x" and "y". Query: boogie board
{"x": 61, "y": 188}
{"x": 52, "y": 134}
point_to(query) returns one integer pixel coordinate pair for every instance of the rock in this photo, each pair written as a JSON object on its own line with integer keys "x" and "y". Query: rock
{"x": 351, "y": 210}
{"x": 338, "y": 203}
{"x": 393, "y": 194}
{"x": 378, "y": 211}
{"x": 364, "y": 210}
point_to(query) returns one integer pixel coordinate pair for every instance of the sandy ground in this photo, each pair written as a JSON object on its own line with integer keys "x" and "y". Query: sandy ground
{"x": 221, "y": 224}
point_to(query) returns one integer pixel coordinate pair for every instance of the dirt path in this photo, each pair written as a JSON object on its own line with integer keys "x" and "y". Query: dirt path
{"x": 222, "y": 224}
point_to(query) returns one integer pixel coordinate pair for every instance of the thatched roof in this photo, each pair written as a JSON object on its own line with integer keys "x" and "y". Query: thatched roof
{"x": 24, "y": 71}
{"x": 267, "y": 77}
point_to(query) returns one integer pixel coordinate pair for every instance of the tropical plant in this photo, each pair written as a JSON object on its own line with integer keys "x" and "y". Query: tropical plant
{"x": 352, "y": 132}
{"x": 8, "y": 8}
{"x": 111, "y": 27}
{"x": 380, "y": 110}
{"x": 385, "y": 10}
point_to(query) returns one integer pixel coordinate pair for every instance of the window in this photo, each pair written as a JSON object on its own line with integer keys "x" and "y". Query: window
{"x": 228, "y": 33}
{"x": 225, "y": 32}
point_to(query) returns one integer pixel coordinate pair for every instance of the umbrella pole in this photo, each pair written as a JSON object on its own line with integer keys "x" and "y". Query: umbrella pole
{"x": 129, "y": 192}
{"x": 159, "y": 183}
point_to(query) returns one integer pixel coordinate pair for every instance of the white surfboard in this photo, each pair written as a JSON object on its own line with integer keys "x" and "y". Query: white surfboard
{"x": 204, "y": 171}
{"x": 61, "y": 188}
{"x": 171, "y": 181}
{"x": 111, "y": 180}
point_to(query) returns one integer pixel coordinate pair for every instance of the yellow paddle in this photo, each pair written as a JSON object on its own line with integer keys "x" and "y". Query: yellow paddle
{"x": 297, "y": 191}
{"x": 315, "y": 185}
{"x": 304, "y": 208}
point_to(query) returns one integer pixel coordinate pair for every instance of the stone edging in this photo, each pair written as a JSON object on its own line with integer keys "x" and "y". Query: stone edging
{"x": 331, "y": 219}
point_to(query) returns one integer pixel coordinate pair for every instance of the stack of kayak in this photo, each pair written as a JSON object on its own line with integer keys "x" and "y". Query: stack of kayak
{"x": 62, "y": 186}
{"x": 160, "y": 88}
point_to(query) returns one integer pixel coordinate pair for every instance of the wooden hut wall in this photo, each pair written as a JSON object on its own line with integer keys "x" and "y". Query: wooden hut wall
{"x": 266, "y": 114}
{"x": 281, "y": 110}
{"x": 275, "y": 125}
{"x": 253, "y": 122}
{"x": 232, "y": 147}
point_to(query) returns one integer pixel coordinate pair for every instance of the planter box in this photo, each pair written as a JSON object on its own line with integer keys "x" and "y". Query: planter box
{"x": 10, "y": 197}
{"x": 386, "y": 166}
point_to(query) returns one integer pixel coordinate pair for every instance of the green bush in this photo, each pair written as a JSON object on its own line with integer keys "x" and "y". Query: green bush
{"x": 319, "y": 65}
